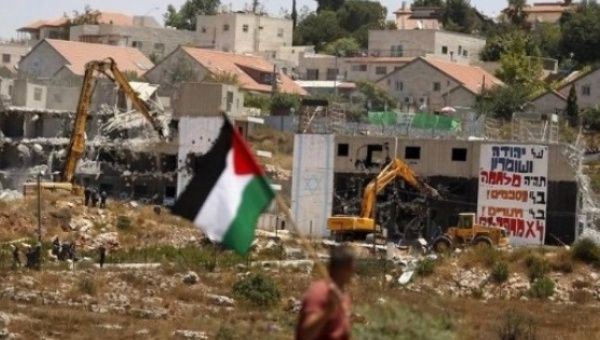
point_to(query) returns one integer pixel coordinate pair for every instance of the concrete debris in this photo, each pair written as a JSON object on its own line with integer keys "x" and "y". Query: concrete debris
{"x": 405, "y": 277}
{"x": 10, "y": 195}
{"x": 191, "y": 278}
{"x": 4, "y": 320}
{"x": 187, "y": 334}
{"x": 221, "y": 300}
{"x": 5, "y": 334}
{"x": 296, "y": 264}
{"x": 111, "y": 327}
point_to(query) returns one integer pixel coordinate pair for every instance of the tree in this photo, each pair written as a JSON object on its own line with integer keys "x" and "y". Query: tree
{"x": 185, "y": 17}
{"x": 428, "y": 3}
{"x": 572, "y": 109}
{"x": 459, "y": 16}
{"x": 356, "y": 14}
{"x": 518, "y": 67}
{"x": 294, "y": 15}
{"x": 515, "y": 13}
{"x": 502, "y": 101}
{"x": 343, "y": 47}
{"x": 547, "y": 37}
{"x": 329, "y": 5}
{"x": 319, "y": 28}
{"x": 502, "y": 42}
{"x": 376, "y": 98}
{"x": 581, "y": 33}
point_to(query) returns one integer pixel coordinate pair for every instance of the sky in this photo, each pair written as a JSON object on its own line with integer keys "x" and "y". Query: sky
{"x": 18, "y": 13}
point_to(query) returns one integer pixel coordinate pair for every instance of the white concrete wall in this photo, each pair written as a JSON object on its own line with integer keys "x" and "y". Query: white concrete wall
{"x": 262, "y": 32}
{"x": 196, "y": 135}
{"x": 312, "y": 182}
{"x": 14, "y": 53}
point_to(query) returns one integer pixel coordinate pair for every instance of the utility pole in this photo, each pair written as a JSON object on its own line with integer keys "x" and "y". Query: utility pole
{"x": 294, "y": 15}
{"x": 39, "y": 205}
{"x": 254, "y": 6}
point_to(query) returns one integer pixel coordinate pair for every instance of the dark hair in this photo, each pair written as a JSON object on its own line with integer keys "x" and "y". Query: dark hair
{"x": 340, "y": 257}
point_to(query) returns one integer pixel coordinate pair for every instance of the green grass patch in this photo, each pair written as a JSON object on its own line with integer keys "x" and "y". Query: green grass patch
{"x": 396, "y": 321}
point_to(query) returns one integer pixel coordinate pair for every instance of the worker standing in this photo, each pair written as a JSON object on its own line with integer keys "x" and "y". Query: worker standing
{"x": 102, "y": 254}
{"x": 325, "y": 312}
{"x": 87, "y": 193}
{"x": 103, "y": 196}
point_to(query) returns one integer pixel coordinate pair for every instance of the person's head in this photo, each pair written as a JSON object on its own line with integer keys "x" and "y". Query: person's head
{"x": 341, "y": 264}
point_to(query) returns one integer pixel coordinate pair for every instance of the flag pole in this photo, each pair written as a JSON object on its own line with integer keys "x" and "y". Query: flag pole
{"x": 305, "y": 243}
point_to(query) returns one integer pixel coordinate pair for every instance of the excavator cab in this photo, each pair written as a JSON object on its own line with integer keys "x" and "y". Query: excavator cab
{"x": 466, "y": 220}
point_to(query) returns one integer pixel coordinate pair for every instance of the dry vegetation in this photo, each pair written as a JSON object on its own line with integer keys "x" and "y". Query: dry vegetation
{"x": 153, "y": 303}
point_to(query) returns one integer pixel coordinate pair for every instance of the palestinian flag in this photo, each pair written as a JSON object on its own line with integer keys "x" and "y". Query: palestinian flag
{"x": 228, "y": 192}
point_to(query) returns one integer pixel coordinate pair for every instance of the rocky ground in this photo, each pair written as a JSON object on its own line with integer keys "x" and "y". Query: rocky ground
{"x": 164, "y": 281}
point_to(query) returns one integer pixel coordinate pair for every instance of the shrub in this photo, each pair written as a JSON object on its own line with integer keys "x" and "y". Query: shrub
{"x": 542, "y": 288}
{"x": 537, "y": 267}
{"x": 425, "y": 267}
{"x": 486, "y": 256}
{"x": 500, "y": 272}
{"x": 257, "y": 289}
{"x": 123, "y": 222}
{"x": 516, "y": 326}
{"x": 562, "y": 262}
{"x": 87, "y": 285}
{"x": 587, "y": 251}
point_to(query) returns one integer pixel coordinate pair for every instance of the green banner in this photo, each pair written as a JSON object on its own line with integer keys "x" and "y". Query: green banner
{"x": 438, "y": 122}
{"x": 387, "y": 118}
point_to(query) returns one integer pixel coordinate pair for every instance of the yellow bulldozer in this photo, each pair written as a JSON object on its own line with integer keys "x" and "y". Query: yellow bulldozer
{"x": 343, "y": 226}
{"x": 108, "y": 68}
{"x": 468, "y": 232}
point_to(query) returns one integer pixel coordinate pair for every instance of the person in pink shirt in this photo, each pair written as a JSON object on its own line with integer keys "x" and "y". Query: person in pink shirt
{"x": 325, "y": 312}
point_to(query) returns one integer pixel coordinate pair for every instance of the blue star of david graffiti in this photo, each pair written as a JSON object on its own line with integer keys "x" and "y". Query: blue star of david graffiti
{"x": 311, "y": 183}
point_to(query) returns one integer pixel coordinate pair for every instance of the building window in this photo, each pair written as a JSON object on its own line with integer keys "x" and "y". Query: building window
{"x": 437, "y": 86}
{"x": 586, "y": 90}
{"x": 203, "y": 29}
{"x": 280, "y": 32}
{"x": 465, "y": 53}
{"x": 159, "y": 47}
{"x": 312, "y": 74}
{"x": 397, "y": 51}
{"x": 37, "y": 94}
{"x": 412, "y": 152}
{"x": 332, "y": 73}
{"x": 245, "y": 28}
{"x": 380, "y": 70}
{"x": 6, "y": 58}
{"x": 459, "y": 50}
{"x": 343, "y": 150}
{"x": 226, "y": 27}
{"x": 399, "y": 86}
{"x": 359, "y": 68}
{"x": 459, "y": 154}
{"x": 444, "y": 49}
{"x": 137, "y": 44}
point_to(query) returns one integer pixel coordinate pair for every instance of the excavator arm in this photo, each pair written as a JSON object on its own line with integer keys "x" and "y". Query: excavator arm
{"x": 107, "y": 67}
{"x": 396, "y": 169}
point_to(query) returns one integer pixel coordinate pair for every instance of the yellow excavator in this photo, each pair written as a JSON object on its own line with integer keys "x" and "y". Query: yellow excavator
{"x": 342, "y": 226}
{"x": 108, "y": 68}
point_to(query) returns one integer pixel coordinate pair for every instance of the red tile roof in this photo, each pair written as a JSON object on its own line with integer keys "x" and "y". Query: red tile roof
{"x": 379, "y": 60}
{"x": 473, "y": 78}
{"x": 218, "y": 62}
{"x": 36, "y": 25}
{"x": 77, "y": 54}
{"x": 117, "y": 19}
